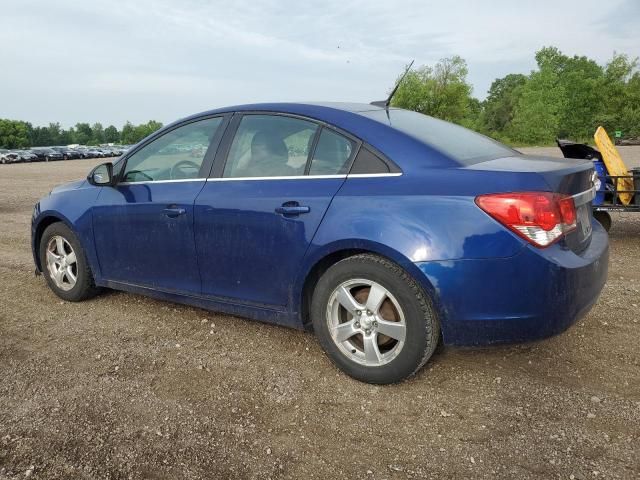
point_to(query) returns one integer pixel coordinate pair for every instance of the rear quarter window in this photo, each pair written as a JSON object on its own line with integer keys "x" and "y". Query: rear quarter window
{"x": 368, "y": 162}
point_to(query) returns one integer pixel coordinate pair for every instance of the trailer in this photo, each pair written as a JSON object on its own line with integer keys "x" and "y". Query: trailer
{"x": 614, "y": 192}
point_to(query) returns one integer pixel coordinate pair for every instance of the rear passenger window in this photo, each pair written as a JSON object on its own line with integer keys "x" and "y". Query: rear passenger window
{"x": 332, "y": 154}
{"x": 368, "y": 162}
{"x": 270, "y": 146}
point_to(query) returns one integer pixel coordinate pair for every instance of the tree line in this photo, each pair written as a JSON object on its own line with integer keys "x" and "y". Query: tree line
{"x": 565, "y": 97}
{"x": 19, "y": 134}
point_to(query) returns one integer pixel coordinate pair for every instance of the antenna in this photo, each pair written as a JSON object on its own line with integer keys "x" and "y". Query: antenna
{"x": 387, "y": 102}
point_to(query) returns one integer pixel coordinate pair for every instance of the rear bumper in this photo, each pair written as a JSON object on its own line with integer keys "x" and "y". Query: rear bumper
{"x": 531, "y": 295}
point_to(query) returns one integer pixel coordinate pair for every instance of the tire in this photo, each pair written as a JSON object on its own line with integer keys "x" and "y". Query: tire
{"x": 604, "y": 218}
{"x": 83, "y": 287}
{"x": 405, "y": 312}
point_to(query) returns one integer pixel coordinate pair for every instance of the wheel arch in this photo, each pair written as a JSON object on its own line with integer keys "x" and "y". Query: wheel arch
{"x": 323, "y": 260}
{"x": 43, "y": 222}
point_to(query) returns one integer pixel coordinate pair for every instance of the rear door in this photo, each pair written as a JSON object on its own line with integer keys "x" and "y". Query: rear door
{"x": 254, "y": 220}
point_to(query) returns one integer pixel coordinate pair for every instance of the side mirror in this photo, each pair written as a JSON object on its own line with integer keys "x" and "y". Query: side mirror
{"x": 102, "y": 175}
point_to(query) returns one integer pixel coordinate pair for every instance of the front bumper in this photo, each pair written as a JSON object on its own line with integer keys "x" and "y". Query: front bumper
{"x": 531, "y": 295}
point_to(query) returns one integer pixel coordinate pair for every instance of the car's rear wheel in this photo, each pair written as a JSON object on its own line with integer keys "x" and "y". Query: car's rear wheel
{"x": 373, "y": 320}
{"x": 64, "y": 264}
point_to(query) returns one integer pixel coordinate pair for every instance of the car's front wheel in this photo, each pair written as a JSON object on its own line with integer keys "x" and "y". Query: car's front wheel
{"x": 64, "y": 264}
{"x": 373, "y": 320}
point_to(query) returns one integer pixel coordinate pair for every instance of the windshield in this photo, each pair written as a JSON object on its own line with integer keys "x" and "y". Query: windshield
{"x": 461, "y": 144}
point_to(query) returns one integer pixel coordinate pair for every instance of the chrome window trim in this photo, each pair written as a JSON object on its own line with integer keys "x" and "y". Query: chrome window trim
{"x": 304, "y": 177}
{"x": 289, "y": 177}
{"x": 179, "y": 180}
{"x": 374, "y": 175}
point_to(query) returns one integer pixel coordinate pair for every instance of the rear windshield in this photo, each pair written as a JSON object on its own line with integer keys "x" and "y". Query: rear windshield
{"x": 461, "y": 144}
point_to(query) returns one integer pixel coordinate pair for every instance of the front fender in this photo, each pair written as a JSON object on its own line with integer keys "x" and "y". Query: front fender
{"x": 73, "y": 208}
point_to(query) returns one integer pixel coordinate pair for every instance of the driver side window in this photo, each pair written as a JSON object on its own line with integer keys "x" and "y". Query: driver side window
{"x": 176, "y": 155}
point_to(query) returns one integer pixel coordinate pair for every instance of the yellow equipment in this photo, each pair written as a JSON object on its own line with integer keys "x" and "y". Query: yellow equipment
{"x": 615, "y": 164}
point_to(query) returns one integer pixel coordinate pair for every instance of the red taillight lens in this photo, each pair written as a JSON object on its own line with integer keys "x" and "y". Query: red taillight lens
{"x": 541, "y": 218}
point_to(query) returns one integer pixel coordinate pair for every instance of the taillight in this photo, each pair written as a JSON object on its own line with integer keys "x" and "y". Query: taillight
{"x": 541, "y": 218}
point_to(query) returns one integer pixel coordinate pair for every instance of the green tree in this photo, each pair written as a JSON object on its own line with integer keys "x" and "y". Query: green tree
{"x": 441, "y": 91}
{"x": 621, "y": 96}
{"x": 128, "y": 134}
{"x": 111, "y": 134}
{"x": 14, "y": 134}
{"x": 83, "y": 133}
{"x": 40, "y": 136}
{"x": 97, "y": 134}
{"x": 499, "y": 107}
{"x": 541, "y": 102}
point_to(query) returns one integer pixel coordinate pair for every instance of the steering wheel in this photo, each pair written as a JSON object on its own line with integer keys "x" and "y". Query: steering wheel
{"x": 176, "y": 169}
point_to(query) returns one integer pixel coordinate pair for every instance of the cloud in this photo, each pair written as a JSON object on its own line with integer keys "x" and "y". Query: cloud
{"x": 108, "y": 61}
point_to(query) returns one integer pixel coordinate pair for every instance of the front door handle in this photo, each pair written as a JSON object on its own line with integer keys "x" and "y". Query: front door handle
{"x": 292, "y": 208}
{"x": 173, "y": 212}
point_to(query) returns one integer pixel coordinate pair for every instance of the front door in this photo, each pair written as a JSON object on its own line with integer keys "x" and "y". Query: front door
{"x": 143, "y": 226}
{"x": 254, "y": 223}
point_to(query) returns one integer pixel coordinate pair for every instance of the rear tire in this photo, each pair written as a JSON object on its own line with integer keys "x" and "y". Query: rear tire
{"x": 389, "y": 328}
{"x": 64, "y": 264}
{"x": 604, "y": 218}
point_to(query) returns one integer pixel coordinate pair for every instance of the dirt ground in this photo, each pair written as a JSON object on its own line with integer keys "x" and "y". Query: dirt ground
{"x": 127, "y": 387}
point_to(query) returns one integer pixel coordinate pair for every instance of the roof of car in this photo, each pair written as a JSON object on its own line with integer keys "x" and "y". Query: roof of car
{"x": 320, "y": 110}
{"x": 287, "y": 106}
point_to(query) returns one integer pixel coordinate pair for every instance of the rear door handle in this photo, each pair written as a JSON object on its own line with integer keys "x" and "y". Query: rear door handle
{"x": 173, "y": 212}
{"x": 292, "y": 208}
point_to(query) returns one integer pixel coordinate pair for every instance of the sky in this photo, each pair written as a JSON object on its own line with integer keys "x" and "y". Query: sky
{"x": 113, "y": 61}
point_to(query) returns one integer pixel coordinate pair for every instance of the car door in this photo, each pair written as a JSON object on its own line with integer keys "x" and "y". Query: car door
{"x": 274, "y": 181}
{"x": 143, "y": 226}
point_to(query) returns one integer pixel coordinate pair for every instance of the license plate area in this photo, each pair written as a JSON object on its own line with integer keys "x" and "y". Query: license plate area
{"x": 584, "y": 220}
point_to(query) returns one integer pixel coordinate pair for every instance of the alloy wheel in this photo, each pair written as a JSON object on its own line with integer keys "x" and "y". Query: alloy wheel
{"x": 62, "y": 263}
{"x": 366, "y": 322}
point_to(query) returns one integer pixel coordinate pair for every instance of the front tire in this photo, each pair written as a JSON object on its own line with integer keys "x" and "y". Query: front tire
{"x": 65, "y": 265}
{"x": 373, "y": 320}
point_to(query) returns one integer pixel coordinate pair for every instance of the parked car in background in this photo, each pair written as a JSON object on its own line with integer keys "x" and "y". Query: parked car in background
{"x": 380, "y": 229}
{"x": 82, "y": 151}
{"x": 27, "y": 155}
{"x": 68, "y": 153}
{"x": 16, "y": 156}
{"x": 95, "y": 153}
{"x": 9, "y": 156}
{"x": 47, "y": 154}
{"x": 105, "y": 152}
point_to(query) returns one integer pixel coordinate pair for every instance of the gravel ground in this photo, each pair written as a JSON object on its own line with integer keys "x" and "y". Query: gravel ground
{"x": 127, "y": 387}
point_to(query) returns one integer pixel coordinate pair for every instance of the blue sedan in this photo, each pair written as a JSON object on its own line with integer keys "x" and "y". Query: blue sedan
{"x": 380, "y": 229}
